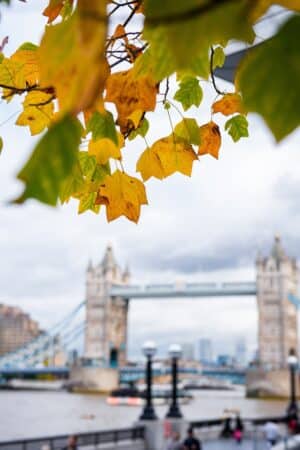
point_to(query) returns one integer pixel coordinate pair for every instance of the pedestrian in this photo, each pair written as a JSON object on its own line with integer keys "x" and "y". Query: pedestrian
{"x": 227, "y": 428}
{"x": 271, "y": 432}
{"x": 174, "y": 442}
{"x": 72, "y": 443}
{"x": 238, "y": 429}
{"x": 191, "y": 442}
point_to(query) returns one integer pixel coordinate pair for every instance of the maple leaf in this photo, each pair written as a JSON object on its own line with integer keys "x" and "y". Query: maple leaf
{"x": 51, "y": 162}
{"x": 103, "y": 149}
{"x": 259, "y": 7}
{"x": 55, "y": 7}
{"x": 210, "y": 139}
{"x": 237, "y": 127}
{"x": 122, "y": 195}
{"x": 167, "y": 156}
{"x": 228, "y": 104}
{"x": 189, "y": 92}
{"x": 76, "y": 44}
{"x": 38, "y": 112}
{"x": 27, "y": 56}
{"x": 188, "y": 129}
{"x": 130, "y": 94}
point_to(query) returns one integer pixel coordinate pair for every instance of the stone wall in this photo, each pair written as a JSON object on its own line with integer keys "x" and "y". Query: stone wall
{"x": 93, "y": 379}
{"x": 272, "y": 384}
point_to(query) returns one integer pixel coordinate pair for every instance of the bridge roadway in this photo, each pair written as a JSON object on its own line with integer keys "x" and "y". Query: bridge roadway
{"x": 181, "y": 289}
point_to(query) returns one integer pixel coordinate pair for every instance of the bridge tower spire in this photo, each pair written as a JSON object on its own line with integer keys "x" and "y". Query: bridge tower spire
{"x": 277, "y": 277}
{"x": 106, "y": 316}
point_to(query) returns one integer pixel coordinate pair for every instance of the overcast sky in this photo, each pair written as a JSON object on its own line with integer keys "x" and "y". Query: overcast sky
{"x": 208, "y": 227}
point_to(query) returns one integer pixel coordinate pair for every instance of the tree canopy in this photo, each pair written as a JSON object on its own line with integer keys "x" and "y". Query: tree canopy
{"x": 90, "y": 84}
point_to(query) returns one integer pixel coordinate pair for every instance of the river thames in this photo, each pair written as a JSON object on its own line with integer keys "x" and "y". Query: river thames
{"x": 32, "y": 414}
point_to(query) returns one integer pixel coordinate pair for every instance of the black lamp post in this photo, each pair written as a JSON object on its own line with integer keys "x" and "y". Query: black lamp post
{"x": 292, "y": 409}
{"x": 175, "y": 353}
{"x": 149, "y": 350}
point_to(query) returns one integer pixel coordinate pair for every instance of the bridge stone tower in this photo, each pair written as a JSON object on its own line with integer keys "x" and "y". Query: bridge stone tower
{"x": 106, "y": 317}
{"x": 277, "y": 276}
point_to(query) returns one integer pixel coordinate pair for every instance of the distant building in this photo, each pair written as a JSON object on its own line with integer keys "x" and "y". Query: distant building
{"x": 188, "y": 351}
{"x": 241, "y": 352}
{"x": 225, "y": 360}
{"x": 205, "y": 351}
{"x": 16, "y": 328}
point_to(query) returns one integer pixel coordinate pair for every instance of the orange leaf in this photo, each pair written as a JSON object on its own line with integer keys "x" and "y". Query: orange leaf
{"x": 210, "y": 140}
{"x": 130, "y": 94}
{"x": 228, "y": 104}
{"x": 52, "y": 11}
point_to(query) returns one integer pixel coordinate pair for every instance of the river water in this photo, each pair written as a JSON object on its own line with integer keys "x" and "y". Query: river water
{"x": 32, "y": 414}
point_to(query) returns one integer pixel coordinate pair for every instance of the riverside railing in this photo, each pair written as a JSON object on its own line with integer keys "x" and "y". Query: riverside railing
{"x": 88, "y": 439}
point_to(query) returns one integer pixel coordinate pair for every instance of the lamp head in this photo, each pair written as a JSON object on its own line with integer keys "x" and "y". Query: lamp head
{"x": 292, "y": 359}
{"x": 149, "y": 349}
{"x": 175, "y": 351}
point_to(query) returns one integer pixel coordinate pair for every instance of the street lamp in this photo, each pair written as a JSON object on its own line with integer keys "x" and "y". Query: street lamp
{"x": 292, "y": 410}
{"x": 175, "y": 353}
{"x": 149, "y": 350}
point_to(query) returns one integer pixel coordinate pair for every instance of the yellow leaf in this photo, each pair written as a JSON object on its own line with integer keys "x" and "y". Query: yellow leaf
{"x": 149, "y": 165}
{"x": 130, "y": 94}
{"x": 122, "y": 195}
{"x": 167, "y": 156}
{"x": 228, "y": 104}
{"x": 210, "y": 140}
{"x": 29, "y": 65}
{"x": 105, "y": 148}
{"x": 38, "y": 112}
{"x": 72, "y": 57}
{"x": 135, "y": 117}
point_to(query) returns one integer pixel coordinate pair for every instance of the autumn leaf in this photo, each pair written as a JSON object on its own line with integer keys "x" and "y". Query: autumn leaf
{"x": 87, "y": 201}
{"x": 76, "y": 44}
{"x": 189, "y": 93}
{"x": 72, "y": 185}
{"x": 130, "y": 94}
{"x": 55, "y": 7}
{"x": 167, "y": 156}
{"x": 149, "y": 165}
{"x": 259, "y": 7}
{"x": 237, "y": 127}
{"x": 38, "y": 112}
{"x": 102, "y": 125}
{"x": 228, "y": 104}
{"x": 210, "y": 140}
{"x": 51, "y": 162}
{"x": 122, "y": 195}
{"x": 188, "y": 129}
{"x": 1, "y": 145}
{"x": 27, "y": 57}
{"x": 104, "y": 149}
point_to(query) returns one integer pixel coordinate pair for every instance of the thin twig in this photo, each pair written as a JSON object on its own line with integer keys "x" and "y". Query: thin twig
{"x": 212, "y": 72}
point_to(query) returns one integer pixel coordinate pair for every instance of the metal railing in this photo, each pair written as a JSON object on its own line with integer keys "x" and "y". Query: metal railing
{"x": 87, "y": 439}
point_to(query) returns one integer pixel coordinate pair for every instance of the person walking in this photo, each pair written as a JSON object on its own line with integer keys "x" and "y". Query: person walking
{"x": 191, "y": 442}
{"x": 271, "y": 432}
{"x": 175, "y": 442}
{"x": 71, "y": 444}
{"x": 238, "y": 429}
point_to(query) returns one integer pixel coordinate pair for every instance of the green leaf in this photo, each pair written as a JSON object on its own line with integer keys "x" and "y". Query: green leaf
{"x": 180, "y": 32}
{"x": 52, "y": 160}
{"x": 189, "y": 93}
{"x": 87, "y": 202}
{"x": 269, "y": 80}
{"x": 102, "y": 126}
{"x": 87, "y": 164}
{"x": 219, "y": 57}
{"x": 237, "y": 127}
{"x": 1, "y": 145}
{"x": 142, "y": 130}
{"x": 28, "y": 46}
{"x": 73, "y": 184}
{"x": 188, "y": 129}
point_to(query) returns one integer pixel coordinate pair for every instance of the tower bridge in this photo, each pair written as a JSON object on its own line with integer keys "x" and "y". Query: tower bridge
{"x": 108, "y": 294}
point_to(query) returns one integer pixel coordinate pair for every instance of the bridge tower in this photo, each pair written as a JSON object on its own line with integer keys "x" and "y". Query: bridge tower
{"x": 277, "y": 276}
{"x": 106, "y": 316}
